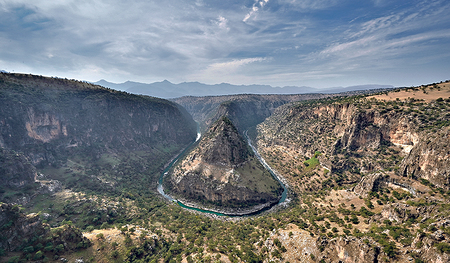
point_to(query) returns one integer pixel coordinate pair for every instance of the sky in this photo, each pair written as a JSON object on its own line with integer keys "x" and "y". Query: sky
{"x": 316, "y": 43}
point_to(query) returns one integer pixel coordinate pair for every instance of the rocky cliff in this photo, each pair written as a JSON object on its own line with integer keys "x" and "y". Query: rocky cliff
{"x": 244, "y": 110}
{"x": 367, "y": 130}
{"x": 88, "y": 137}
{"x": 15, "y": 170}
{"x": 371, "y": 168}
{"x": 222, "y": 170}
{"x": 429, "y": 159}
{"x": 49, "y": 119}
{"x": 34, "y": 239}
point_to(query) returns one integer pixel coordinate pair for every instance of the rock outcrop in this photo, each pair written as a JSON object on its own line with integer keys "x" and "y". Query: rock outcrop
{"x": 49, "y": 119}
{"x": 369, "y": 183}
{"x": 430, "y": 160}
{"x": 17, "y": 227}
{"x": 15, "y": 170}
{"x": 19, "y": 230}
{"x": 348, "y": 249}
{"x": 222, "y": 170}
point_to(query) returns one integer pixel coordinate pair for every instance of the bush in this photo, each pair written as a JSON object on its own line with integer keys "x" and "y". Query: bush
{"x": 14, "y": 259}
{"x": 115, "y": 254}
{"x": 28, "y": 249}
{"x": 354, "y": 219}
{"x": 390, "y": 249}
{"x": 38, "y": 255}
{"x": 443, "y": 247}
{"x": 59, "y": 248}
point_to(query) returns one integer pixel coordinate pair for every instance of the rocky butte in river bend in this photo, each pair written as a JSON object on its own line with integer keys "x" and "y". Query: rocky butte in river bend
{"x": 222, "y": 171}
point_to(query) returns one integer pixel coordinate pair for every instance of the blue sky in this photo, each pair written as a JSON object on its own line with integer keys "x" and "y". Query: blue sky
{"x": 317, "y": 43}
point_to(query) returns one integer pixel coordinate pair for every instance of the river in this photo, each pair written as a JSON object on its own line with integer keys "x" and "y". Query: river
{"x": 168, "y": 197}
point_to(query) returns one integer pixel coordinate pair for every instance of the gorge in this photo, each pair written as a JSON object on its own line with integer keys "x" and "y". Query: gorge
{"x": 81, "y": 166}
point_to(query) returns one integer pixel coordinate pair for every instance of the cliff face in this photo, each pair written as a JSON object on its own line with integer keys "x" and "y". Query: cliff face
{"x": 355, "y": 128}
{"x": 351, "y": 250}
{"x": 382, "y": 166}
{"x": 15, "y": 170}
{"x": 244, "y": 110}
{"x": 430, "y": 159}
{"x": 17, "y": 227}
{"x": 49, "y": 119}
{"x": 19, "y": 230}
{"x": 364, "y": 129}
{"x": 222, "y": 171}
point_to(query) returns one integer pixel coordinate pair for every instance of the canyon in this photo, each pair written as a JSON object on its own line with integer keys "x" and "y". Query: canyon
{"x": 367, "y": 174}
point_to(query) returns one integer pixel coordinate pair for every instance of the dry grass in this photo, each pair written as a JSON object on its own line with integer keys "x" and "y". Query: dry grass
{"x": 427, "y": 93}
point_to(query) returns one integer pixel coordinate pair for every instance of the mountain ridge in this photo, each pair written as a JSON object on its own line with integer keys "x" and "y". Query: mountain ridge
{"x": 168, "y": 90}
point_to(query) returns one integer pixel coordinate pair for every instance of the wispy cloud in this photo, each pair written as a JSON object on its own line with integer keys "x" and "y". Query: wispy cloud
{"x": 387, "y": 42}
{"x": 307, "y": 42}
{"x": 256, "y": 6}
{"x": 310, "y": 4}
{"x": 230, "y": 66}
{"x": 222, "y": 71}
{"x": 222, "y": 23}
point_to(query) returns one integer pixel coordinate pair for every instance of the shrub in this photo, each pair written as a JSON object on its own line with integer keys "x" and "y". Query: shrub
{"x": 115, "y": 254}
{"x": 38, "y": 255}
{"x": 390, "y": 249}
{"x": 14, "y": 259}
{"x": 443, "y": 247}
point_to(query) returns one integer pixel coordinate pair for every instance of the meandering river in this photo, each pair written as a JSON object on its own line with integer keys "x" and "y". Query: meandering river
{"x": 168, "y": 197}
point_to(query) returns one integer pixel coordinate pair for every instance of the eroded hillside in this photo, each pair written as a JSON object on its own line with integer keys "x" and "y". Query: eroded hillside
{"x": 222, "y": 171}
{"x": 368, "y": 167}
{"x": 73, "y": 131}
{"x": 367, "y": 175}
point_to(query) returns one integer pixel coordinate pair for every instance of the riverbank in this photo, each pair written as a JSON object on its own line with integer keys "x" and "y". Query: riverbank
{"x": 227, "y": 212}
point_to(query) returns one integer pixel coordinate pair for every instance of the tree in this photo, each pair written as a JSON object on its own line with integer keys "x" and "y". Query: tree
{"x": 115, "y": 254}
{"x": 38, "y": 255}
{"x": 390, "y": 249}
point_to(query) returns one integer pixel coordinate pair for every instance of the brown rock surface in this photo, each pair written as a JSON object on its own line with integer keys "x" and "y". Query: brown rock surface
{"x": 222, "y": 170}
{"x": 430, "y": 160}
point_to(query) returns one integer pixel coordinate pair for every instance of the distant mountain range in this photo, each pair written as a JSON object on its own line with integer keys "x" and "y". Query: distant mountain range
{"x": 166, "y": 89}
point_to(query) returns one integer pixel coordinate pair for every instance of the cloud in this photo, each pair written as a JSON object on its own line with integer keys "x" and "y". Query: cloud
{"x": 232, "y": 66}
{"x": 256, "y": 6}
{"x": 377, "y": 24}
{"x": 386, "y": 41}
{"x": 309, "y": 4}
{"x": 230, "y": 71}
{"x": 278, "y": 41}
{"x": 222, "y": 23}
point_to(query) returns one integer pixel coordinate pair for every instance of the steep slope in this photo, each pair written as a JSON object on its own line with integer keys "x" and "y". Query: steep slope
{"x": 429, "y": 159}
{"x": 356, "y": 135}
{"x": 16, "y": 172}
{"x": 88, "y": 136}
{"x": 222, "y": 171}
{"x": 371, "y": 168}
{"x": 246, "y": 110}
{"x": 33, "y": 238}
{"x": 17, "y": 177}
